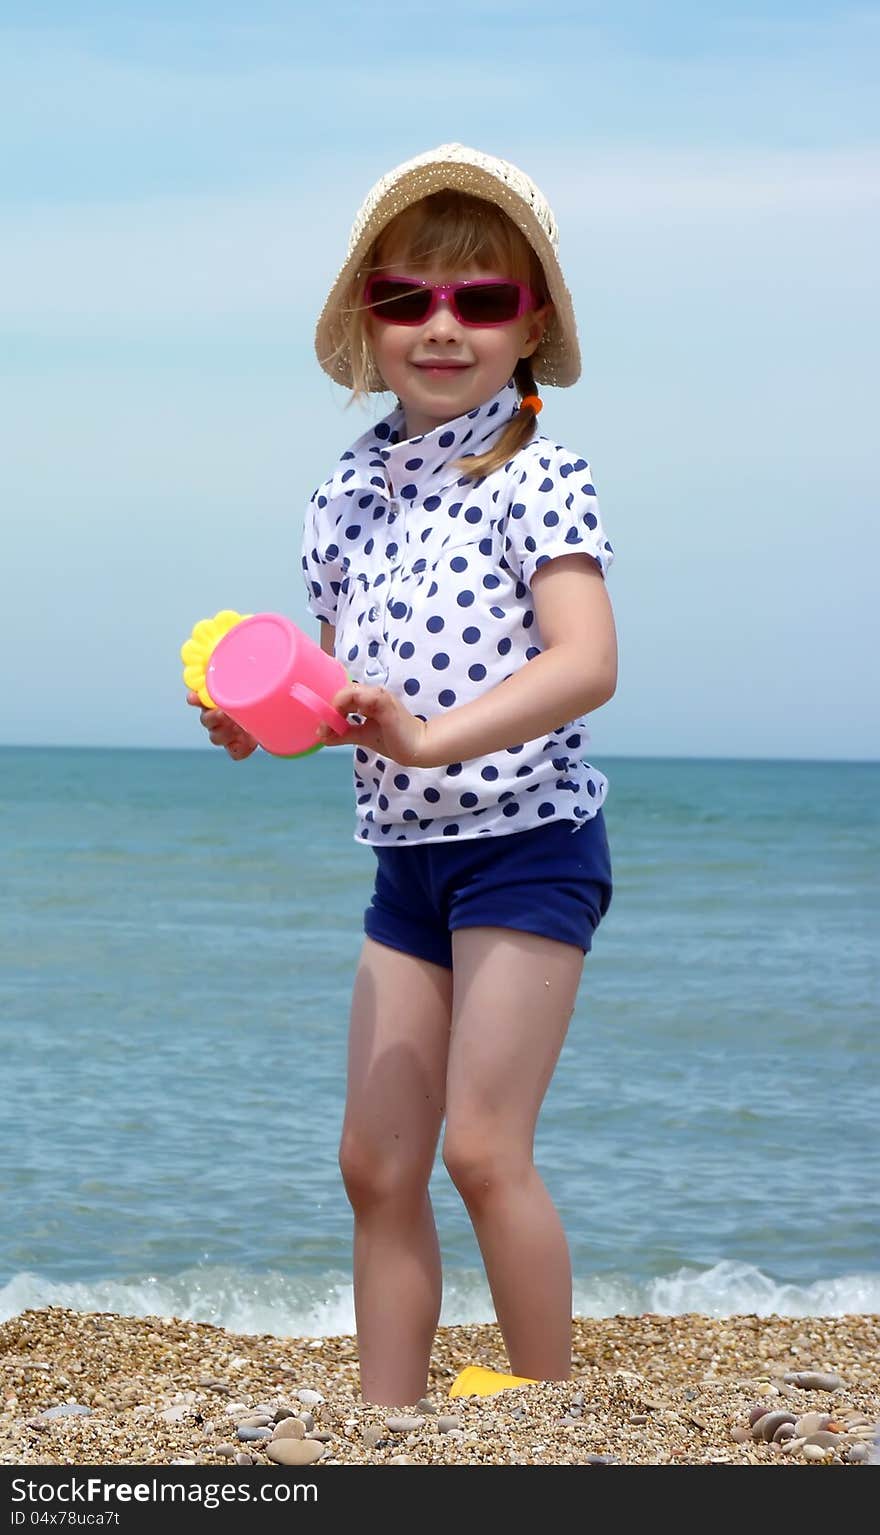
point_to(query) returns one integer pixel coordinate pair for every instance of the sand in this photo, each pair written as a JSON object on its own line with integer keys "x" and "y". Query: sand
{"x": 644, "y": 1390}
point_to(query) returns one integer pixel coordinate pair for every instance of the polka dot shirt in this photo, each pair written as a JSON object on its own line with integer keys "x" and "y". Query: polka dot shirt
{"x": 426, "y": 575}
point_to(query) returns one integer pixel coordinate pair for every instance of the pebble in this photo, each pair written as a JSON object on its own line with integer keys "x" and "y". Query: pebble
{"x": 856, "y": 1454}
{"x": 243, "y": 1459}
{"x": 249, "y": 1433}
{"x": 811, "y": 1422}
{"x": 403, "y": 1424}
{"x": 372, "y": 1436}
{"x": 814, "y": 1380}
{"x": 228, "y": 1450}
{"x": 66, "y": 1410}
{"x": 446, "y": 1423}
{"x": 814, "y": 1452}
{"x": 294, "y": 1452}
{"x": 289, "y": 1428}
{"x": 784, "y": 1431}
{"x": 766, "y": 1427}
{"x": 309, "y": 1398}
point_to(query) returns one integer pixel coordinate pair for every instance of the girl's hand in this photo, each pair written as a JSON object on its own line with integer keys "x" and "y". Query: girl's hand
{"x": 388, "y": 727}
{"x": 223, "y": 731}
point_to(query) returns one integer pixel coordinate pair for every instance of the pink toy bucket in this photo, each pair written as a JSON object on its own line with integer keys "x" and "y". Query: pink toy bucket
{"x": 276, "y": 683}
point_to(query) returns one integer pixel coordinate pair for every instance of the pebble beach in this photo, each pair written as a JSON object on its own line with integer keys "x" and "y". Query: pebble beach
{"x": 96, "y": 1388}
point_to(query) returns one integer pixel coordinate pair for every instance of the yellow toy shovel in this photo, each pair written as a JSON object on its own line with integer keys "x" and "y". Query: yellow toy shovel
{"x": 475, "y": 1381}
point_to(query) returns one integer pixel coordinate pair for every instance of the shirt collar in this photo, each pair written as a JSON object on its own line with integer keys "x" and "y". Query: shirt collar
{"x": 413, "y": 467}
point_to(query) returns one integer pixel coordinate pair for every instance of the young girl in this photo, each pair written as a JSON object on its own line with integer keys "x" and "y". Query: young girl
{"x": 456, "y": 562}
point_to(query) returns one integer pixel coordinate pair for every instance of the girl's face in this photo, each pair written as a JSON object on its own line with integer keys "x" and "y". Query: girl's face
{"x": 441, "y": 369}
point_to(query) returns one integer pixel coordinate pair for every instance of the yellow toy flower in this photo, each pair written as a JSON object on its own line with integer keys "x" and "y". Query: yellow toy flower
{"x": 197, "y": 651}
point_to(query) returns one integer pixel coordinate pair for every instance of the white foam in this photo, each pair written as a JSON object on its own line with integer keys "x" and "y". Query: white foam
{"x": 323, "y": 1306}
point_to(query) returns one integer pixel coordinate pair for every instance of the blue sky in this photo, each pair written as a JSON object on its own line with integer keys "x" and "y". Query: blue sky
{"x": 177, "y": 186}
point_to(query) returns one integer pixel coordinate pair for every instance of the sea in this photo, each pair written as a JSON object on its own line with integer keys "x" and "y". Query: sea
{"x": 178, "y": 939}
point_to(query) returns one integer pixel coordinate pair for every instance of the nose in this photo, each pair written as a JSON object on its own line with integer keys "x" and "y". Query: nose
{"x": 442, "y": 324}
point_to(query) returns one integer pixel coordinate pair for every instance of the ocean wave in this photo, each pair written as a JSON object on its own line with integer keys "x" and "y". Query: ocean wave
{"x": 323, "y": 1306}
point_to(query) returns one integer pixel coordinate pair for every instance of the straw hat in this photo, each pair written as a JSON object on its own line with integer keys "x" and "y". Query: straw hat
{"x": 454, "y": 166}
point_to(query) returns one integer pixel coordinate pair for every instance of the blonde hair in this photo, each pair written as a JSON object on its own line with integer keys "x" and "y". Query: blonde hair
{"x": 454, "y": 230}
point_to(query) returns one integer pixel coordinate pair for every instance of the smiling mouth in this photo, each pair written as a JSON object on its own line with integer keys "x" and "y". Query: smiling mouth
{"x": 441, "y": 367}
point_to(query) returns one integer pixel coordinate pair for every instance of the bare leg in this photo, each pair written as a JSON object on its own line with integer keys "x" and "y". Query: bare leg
{"x": 513, "y": 999}
{"x": 398, "y": 1048}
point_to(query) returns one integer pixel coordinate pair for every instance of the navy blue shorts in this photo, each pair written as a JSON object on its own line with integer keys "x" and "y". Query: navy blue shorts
{"x": 554, "y": 880}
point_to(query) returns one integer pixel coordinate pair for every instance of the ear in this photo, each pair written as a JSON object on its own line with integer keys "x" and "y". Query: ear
{"x": 538, "y": 322}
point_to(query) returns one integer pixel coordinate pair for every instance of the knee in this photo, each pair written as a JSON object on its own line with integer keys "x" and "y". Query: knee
{"x": 373, "y": 1177}
{"x": 474, "y": 1165}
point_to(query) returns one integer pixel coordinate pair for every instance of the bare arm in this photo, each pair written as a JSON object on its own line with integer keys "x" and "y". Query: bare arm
{"x": 328, "y": 638}
{"x": 575, "y": 673}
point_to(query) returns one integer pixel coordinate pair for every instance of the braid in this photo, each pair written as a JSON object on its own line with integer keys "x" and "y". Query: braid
{"x": 517, "y": 432}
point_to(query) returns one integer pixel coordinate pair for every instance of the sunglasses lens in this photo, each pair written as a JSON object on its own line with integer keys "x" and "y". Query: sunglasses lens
{"x": 398, "y": 302}
{"x": 488, "y": 303}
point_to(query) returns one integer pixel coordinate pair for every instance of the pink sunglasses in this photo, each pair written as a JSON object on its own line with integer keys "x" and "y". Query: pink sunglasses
{"x": 483, "y": 302}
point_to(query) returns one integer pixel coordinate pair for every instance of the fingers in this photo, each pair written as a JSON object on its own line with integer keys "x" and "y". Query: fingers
{"x": 363, "y": 698}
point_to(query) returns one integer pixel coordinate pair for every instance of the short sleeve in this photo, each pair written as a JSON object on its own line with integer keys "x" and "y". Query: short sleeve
{"x": 553, "y": 510}
{"x": 321, "y": 559}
